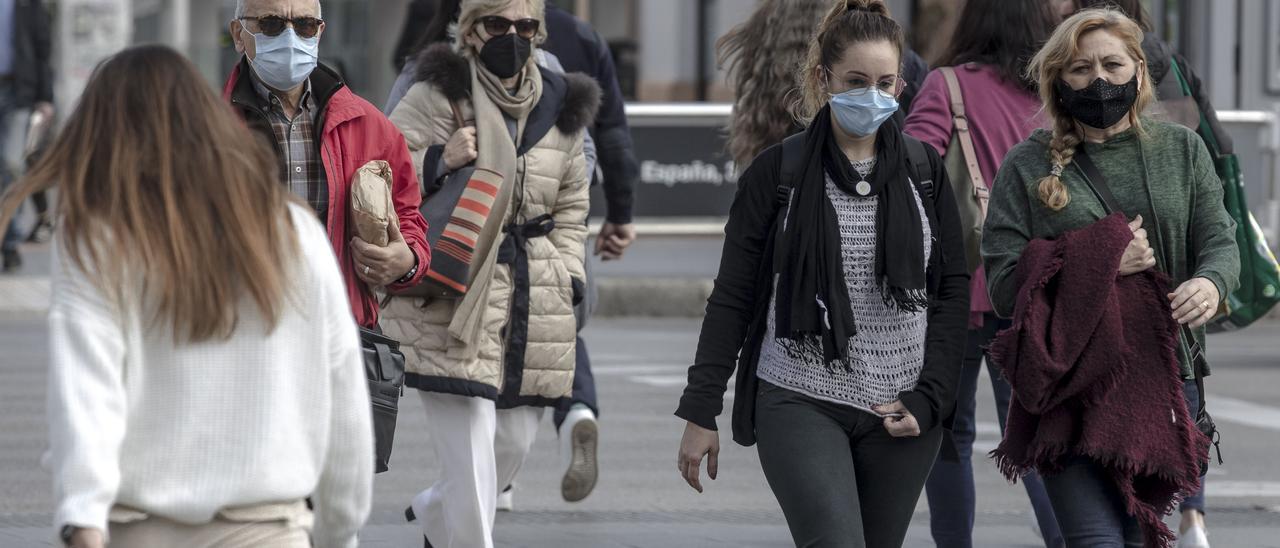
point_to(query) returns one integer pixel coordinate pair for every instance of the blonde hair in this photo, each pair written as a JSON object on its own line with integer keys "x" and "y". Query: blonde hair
{"x": 848, "y": 22}
{"x": 1047, "y": 67}
{"x": 472, "y": 10}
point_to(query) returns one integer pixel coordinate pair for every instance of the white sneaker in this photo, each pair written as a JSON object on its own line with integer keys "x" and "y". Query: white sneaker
{"x": 579, "y": 436}
{"x": 1194, "y": 537}
{"x": 506, "y": 499}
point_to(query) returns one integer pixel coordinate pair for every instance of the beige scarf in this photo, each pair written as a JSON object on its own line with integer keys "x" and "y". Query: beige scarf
{"x": 495, "y": 152}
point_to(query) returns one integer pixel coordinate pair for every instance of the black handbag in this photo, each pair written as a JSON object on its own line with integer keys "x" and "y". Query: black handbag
{"x": 1199, "y": 364}
{"x": 384, "y": 368}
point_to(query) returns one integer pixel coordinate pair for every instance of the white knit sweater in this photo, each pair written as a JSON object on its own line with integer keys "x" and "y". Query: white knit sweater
{"x": 183, "y": 430}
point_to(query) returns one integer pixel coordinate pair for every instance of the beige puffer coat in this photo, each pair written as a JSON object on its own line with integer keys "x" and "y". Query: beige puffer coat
{"x": 555, "y": 182}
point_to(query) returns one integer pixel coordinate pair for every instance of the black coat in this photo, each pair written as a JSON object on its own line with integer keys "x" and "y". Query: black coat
{"x": 32, "y": 73}
{"x": 581, "y": 49}
{"x": 735, "y": 321}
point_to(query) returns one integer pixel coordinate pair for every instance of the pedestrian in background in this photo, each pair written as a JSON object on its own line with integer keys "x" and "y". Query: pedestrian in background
{"x": 988, "y": 55}
{"x": 850, "y": 359}
{"x": 322, "y": 134}
{"x": 205, "y": 372}
{"x": 416, "y": 19}
{"x": 487, "y": 364}
{"x": 1095, "y": 85}
{"x": 579, "y": 48}
{"x": 26, "y": 86}
{"x": 761, "y": 56}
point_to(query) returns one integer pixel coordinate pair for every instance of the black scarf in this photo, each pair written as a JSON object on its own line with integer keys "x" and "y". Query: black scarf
{"x": 812, "y": 297}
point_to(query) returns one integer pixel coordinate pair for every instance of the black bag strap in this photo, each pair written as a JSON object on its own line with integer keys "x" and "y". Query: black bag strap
{"x": 792, "y": 164}
{"x": 921, "y": 172}
{"x": 1098, "y": 184}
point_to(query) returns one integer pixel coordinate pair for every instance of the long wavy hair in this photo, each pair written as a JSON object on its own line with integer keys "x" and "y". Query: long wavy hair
{"x": 848, "y": 22}
{"x": 760, "y": 57}
{"x": 157, "y": 178}
{"x": 1005, "y": 34}
{"x": 1047, "y": 67}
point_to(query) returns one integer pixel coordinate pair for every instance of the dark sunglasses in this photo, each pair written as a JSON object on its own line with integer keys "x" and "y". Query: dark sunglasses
{"x": 497, "y": 25}
{"x": 273, "y": 25}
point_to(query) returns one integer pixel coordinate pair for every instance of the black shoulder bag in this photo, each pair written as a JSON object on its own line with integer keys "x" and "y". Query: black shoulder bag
{"x": 1199, "y": 364}
{"x": 384, "y": 368}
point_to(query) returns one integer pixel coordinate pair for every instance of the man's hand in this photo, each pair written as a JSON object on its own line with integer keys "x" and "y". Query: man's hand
{"x": 45, "y": 109}
{"x": 380, "y": 266}
{"x": 614, "y": 240}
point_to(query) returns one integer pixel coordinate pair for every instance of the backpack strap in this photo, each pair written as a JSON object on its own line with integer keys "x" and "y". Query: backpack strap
{"x": 920, "y": 170}
{"x": 792, "y": 165}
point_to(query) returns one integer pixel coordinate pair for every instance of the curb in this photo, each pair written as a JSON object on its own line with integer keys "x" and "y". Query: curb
{"x": 652, "y": 297}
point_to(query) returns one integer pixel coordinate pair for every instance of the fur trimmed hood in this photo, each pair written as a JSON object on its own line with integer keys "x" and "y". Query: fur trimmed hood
{"x": 448, "y": 71}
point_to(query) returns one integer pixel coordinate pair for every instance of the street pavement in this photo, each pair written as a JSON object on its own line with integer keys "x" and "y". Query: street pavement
{"x": 641, "y": 500}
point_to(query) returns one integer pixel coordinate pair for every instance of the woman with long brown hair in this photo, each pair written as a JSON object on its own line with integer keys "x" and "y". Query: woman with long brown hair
{"x": 841, "y": 301}
{"x": 205, "y": 371}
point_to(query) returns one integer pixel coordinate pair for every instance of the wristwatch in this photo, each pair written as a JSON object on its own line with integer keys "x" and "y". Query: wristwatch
{"x": 66, "y": 533}
{"x": 412, "y": 271}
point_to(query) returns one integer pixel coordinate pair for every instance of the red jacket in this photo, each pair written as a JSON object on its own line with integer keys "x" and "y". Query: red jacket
{"x": 352, "y": 133}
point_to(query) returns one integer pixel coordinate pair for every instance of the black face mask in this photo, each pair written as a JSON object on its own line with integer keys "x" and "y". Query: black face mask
{"x": 505, "y": 55}
{"x": 1099, "y": 105}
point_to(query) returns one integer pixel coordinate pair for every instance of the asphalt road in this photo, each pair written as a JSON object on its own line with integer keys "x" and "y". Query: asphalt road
{"x": 640, "y": 500}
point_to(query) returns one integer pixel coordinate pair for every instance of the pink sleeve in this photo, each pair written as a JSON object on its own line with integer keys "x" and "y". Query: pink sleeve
{"x": 930, "y": 116}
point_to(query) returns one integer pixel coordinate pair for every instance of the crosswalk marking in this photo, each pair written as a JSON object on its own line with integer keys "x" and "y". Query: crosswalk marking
{"x": 1243, "y": 412}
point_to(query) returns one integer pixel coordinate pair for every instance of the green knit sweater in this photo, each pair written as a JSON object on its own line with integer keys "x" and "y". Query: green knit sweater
{"x": 1166, "y": 176}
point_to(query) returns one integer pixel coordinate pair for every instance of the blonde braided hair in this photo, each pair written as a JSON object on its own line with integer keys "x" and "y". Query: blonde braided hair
{"x": 1047, "y": 67}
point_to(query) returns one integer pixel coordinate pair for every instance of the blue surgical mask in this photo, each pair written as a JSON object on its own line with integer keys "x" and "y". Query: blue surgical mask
{"x": 284, "y": 61}
{"x": 861, "y": 111}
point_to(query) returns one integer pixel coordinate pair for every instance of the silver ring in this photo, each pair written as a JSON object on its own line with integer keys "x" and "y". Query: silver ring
{"x": 1204, "y": 305}
{"x": 366, "y": 270}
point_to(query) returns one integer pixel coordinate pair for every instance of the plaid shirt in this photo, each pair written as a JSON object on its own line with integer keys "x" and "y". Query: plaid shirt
{"x": 300, "y": 162}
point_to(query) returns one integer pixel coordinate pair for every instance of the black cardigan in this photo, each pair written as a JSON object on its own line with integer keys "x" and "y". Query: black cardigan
{"x": 734, "y": 326}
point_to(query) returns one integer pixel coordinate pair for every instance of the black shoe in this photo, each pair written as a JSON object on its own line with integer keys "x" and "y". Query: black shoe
{"x": 12, "y": 260}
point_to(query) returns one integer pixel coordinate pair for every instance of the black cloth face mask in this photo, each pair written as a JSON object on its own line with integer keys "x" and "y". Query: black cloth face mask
{"x": 506, "y": 55}
{"x": 1099, "y": 105}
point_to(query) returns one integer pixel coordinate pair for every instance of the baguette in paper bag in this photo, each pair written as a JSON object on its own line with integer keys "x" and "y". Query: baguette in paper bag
{"x": 371, "y": 208}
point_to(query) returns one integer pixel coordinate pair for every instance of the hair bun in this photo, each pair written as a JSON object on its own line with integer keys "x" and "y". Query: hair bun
{"x": 870, "y": 6}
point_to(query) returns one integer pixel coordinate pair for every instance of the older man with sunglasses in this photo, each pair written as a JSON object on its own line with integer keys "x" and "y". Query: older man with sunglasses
{"x": 322, "y": 133}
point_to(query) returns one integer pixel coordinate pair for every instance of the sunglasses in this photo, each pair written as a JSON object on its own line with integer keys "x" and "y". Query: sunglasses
{"x": 273, "y": 25}
{"x": 497, "y": 25}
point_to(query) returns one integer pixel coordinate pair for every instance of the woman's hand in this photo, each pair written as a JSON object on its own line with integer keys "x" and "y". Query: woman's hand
{"x": 461, "y": 148}
{"x": 1138, "y": 256}
{"x": 1195, "y": 302}
{"x": 898, "y": 427}
{"x": 697, "y": 441}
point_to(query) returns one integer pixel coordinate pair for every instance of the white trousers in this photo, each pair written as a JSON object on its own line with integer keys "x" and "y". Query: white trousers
{"x": 480, "y": 449}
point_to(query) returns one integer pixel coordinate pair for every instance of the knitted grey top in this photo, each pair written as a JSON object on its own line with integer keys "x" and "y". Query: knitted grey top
{"x": 887, "y": 353}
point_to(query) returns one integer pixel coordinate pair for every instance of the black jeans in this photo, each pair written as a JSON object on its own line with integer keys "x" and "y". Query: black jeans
{"x": 1088, "y": 504}
{"x": 950, "y": 489}
{"x": 841, "y": 479}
